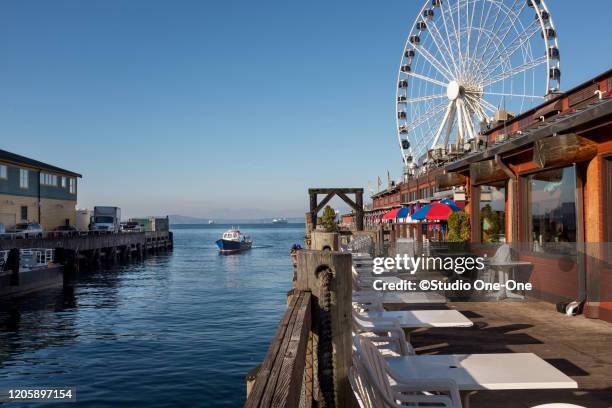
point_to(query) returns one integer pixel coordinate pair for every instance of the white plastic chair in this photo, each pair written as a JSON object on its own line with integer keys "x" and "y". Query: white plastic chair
{"x": 385, "y": 332}
{"x": 378, "y": 388}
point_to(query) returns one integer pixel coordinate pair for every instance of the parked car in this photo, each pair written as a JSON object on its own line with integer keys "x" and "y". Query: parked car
{"x": 26, "y": 230}
{"x": 131, "y": 226}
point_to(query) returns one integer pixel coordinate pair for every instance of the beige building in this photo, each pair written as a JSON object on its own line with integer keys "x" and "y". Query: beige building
{"x": 36, "y": 192}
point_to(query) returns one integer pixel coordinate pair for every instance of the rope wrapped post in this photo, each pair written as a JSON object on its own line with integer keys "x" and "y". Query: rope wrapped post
{"x": 328, "y": 276}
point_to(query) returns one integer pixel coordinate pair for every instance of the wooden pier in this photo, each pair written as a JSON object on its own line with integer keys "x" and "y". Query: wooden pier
{"x": 89, "y": 250}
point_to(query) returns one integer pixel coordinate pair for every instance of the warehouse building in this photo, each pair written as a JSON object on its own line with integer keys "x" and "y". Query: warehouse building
{"x": 36, "y": 192}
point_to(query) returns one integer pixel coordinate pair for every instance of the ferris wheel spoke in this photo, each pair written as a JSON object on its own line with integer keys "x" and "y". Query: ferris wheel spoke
{"x": 509, "y": 24}
{"x": 481, "y": 26}
{"x": 454, "y": 30}
{"x": 477, "y": 109}
{"x": 470, "y": 25}
{"x": 425, "y": 78}
{"x": 483, "y": 103}
{"x": 514, "y": 71}
{"x": 490, "y": 36}
{"x": 424, "y": 118}
{"x": 448, "y": 38}
{"x": 507, "y": 51}
{"x": 425, "y": 98}
{"x": 434, "y": 62}
{"x": 437, "y": 39}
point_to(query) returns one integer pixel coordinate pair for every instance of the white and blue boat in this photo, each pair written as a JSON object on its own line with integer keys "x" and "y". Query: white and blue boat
{"x": 233, "y": 241}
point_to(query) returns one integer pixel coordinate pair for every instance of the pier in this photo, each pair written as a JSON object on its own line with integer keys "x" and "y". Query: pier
{"x": 53, "y": 255}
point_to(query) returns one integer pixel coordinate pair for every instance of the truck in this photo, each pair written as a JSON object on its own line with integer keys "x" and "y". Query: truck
{"x": 106, "y": 219}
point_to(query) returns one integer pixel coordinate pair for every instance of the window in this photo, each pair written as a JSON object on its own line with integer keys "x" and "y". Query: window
{"x": 24, "y": 181}
{"x": 3, "y": 170}
{"x": 552, "y": 206}
{"x": 493, "y": 214}
{"x": 48, "y": 179}
{"x": 24, "y": 212}
{"x": 72, "y": 185}
{"x": 64, "y": 182}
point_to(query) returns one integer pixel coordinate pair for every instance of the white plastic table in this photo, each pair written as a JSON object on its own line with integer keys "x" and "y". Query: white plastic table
{"x": 474, "y": 372}
{"x": 387, "y": 297}
{"x": 425, "y": 318}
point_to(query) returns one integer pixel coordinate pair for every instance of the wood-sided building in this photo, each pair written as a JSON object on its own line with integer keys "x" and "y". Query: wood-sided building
{"x": 548, "y": 173}
{"x": 36, "y": 192}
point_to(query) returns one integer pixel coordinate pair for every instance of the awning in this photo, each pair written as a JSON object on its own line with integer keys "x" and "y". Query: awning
{"x": 391, "y": 215}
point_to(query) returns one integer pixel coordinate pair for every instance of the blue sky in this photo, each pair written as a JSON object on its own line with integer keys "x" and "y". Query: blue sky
{"x": 222, "y": 109}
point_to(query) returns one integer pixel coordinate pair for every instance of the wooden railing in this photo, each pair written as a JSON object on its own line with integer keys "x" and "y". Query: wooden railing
{"x": 280, "y": 379}
{"x": 309, "y": 357}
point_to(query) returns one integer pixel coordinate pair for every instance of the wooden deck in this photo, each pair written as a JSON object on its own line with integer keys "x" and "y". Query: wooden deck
{"x": 577, "y": 346}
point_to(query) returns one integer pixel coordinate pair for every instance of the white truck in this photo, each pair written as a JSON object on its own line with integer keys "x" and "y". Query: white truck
{"x": 106, "y": 219}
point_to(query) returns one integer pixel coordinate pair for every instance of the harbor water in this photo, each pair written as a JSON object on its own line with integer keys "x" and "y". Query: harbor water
{"x": 181, "y": 329}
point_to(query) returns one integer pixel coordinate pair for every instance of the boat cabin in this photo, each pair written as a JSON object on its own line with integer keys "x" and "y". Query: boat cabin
{"x": 232, "y": 235}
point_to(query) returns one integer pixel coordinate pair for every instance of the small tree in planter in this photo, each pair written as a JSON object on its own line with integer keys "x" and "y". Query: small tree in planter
{"x": 328, "y": 219}
{"x": 458, "y": 227}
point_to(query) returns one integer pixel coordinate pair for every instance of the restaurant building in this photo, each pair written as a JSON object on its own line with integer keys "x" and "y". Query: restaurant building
{"x": 547, "y": 176}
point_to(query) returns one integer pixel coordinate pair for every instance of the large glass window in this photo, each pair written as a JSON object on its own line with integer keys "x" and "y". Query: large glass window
{"x": 493, "y": 213}
{"x": 3, "y": 169}
{"x": 553, "y": 208}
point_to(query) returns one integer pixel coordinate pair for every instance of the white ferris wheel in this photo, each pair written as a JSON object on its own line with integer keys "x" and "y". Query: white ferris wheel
{"x": 465, "y": 60}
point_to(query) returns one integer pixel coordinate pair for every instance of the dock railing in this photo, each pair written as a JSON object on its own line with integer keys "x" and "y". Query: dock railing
{"x": 309, "y": 357}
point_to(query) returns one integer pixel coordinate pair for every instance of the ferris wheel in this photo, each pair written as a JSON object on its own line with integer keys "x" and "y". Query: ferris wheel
{"x": 466, "y": 61}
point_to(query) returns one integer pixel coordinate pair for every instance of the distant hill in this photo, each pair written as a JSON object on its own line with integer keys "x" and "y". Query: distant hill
{"x": 184, "y": 219}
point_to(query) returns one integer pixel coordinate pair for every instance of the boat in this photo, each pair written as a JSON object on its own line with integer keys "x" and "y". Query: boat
{"x": 281, "y": 220}
{"x": 211, "y": 222}
{"x": 233, "y": 241}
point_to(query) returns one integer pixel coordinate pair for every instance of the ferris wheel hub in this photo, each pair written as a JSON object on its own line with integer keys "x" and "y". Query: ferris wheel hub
{"x": 453, "y": 90}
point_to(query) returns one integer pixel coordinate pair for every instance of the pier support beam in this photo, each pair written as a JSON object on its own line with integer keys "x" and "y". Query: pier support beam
{"x": 356, "y": 205}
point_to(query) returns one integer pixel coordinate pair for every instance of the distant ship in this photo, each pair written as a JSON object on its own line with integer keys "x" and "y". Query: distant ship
{"x": 233, "y": 241}
{"x": 211, "y": 222}
{"x": 282, "y": 220}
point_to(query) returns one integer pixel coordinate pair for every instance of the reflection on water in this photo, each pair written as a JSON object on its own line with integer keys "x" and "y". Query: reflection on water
{"x": 179, "y": 329}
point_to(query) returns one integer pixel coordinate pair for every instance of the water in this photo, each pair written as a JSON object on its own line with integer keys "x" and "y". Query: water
{"x": 178, "y": 330}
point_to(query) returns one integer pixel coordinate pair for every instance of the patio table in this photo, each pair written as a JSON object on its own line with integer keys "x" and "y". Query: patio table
{"x": 424, "y": 318}
{"x": 474, "y": 372}
{"x": 387, "y": 297}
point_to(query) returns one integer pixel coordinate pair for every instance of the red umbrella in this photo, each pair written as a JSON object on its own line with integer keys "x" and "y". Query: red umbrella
{"x": 439, "y": 211}
{"x": 391, "y": 215}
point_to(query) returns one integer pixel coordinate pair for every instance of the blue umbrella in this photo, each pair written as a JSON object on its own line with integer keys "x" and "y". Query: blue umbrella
{"x": 421, "y": 213}
{"x": 451, "y": 204}
{"x": 403, "y": 212}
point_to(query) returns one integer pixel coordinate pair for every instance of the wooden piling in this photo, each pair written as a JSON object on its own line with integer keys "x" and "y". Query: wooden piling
{"x": 328, "y": 276}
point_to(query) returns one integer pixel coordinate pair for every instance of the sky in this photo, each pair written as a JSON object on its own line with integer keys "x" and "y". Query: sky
{"x": 223, "y": 109}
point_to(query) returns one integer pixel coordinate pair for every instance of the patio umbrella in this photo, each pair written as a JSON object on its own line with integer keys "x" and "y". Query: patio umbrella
{"x": 451, "y": 204}
{"x": 403, "y": 212}
{"x": 437, "y": 211}
{"x": 391, "y": 215}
